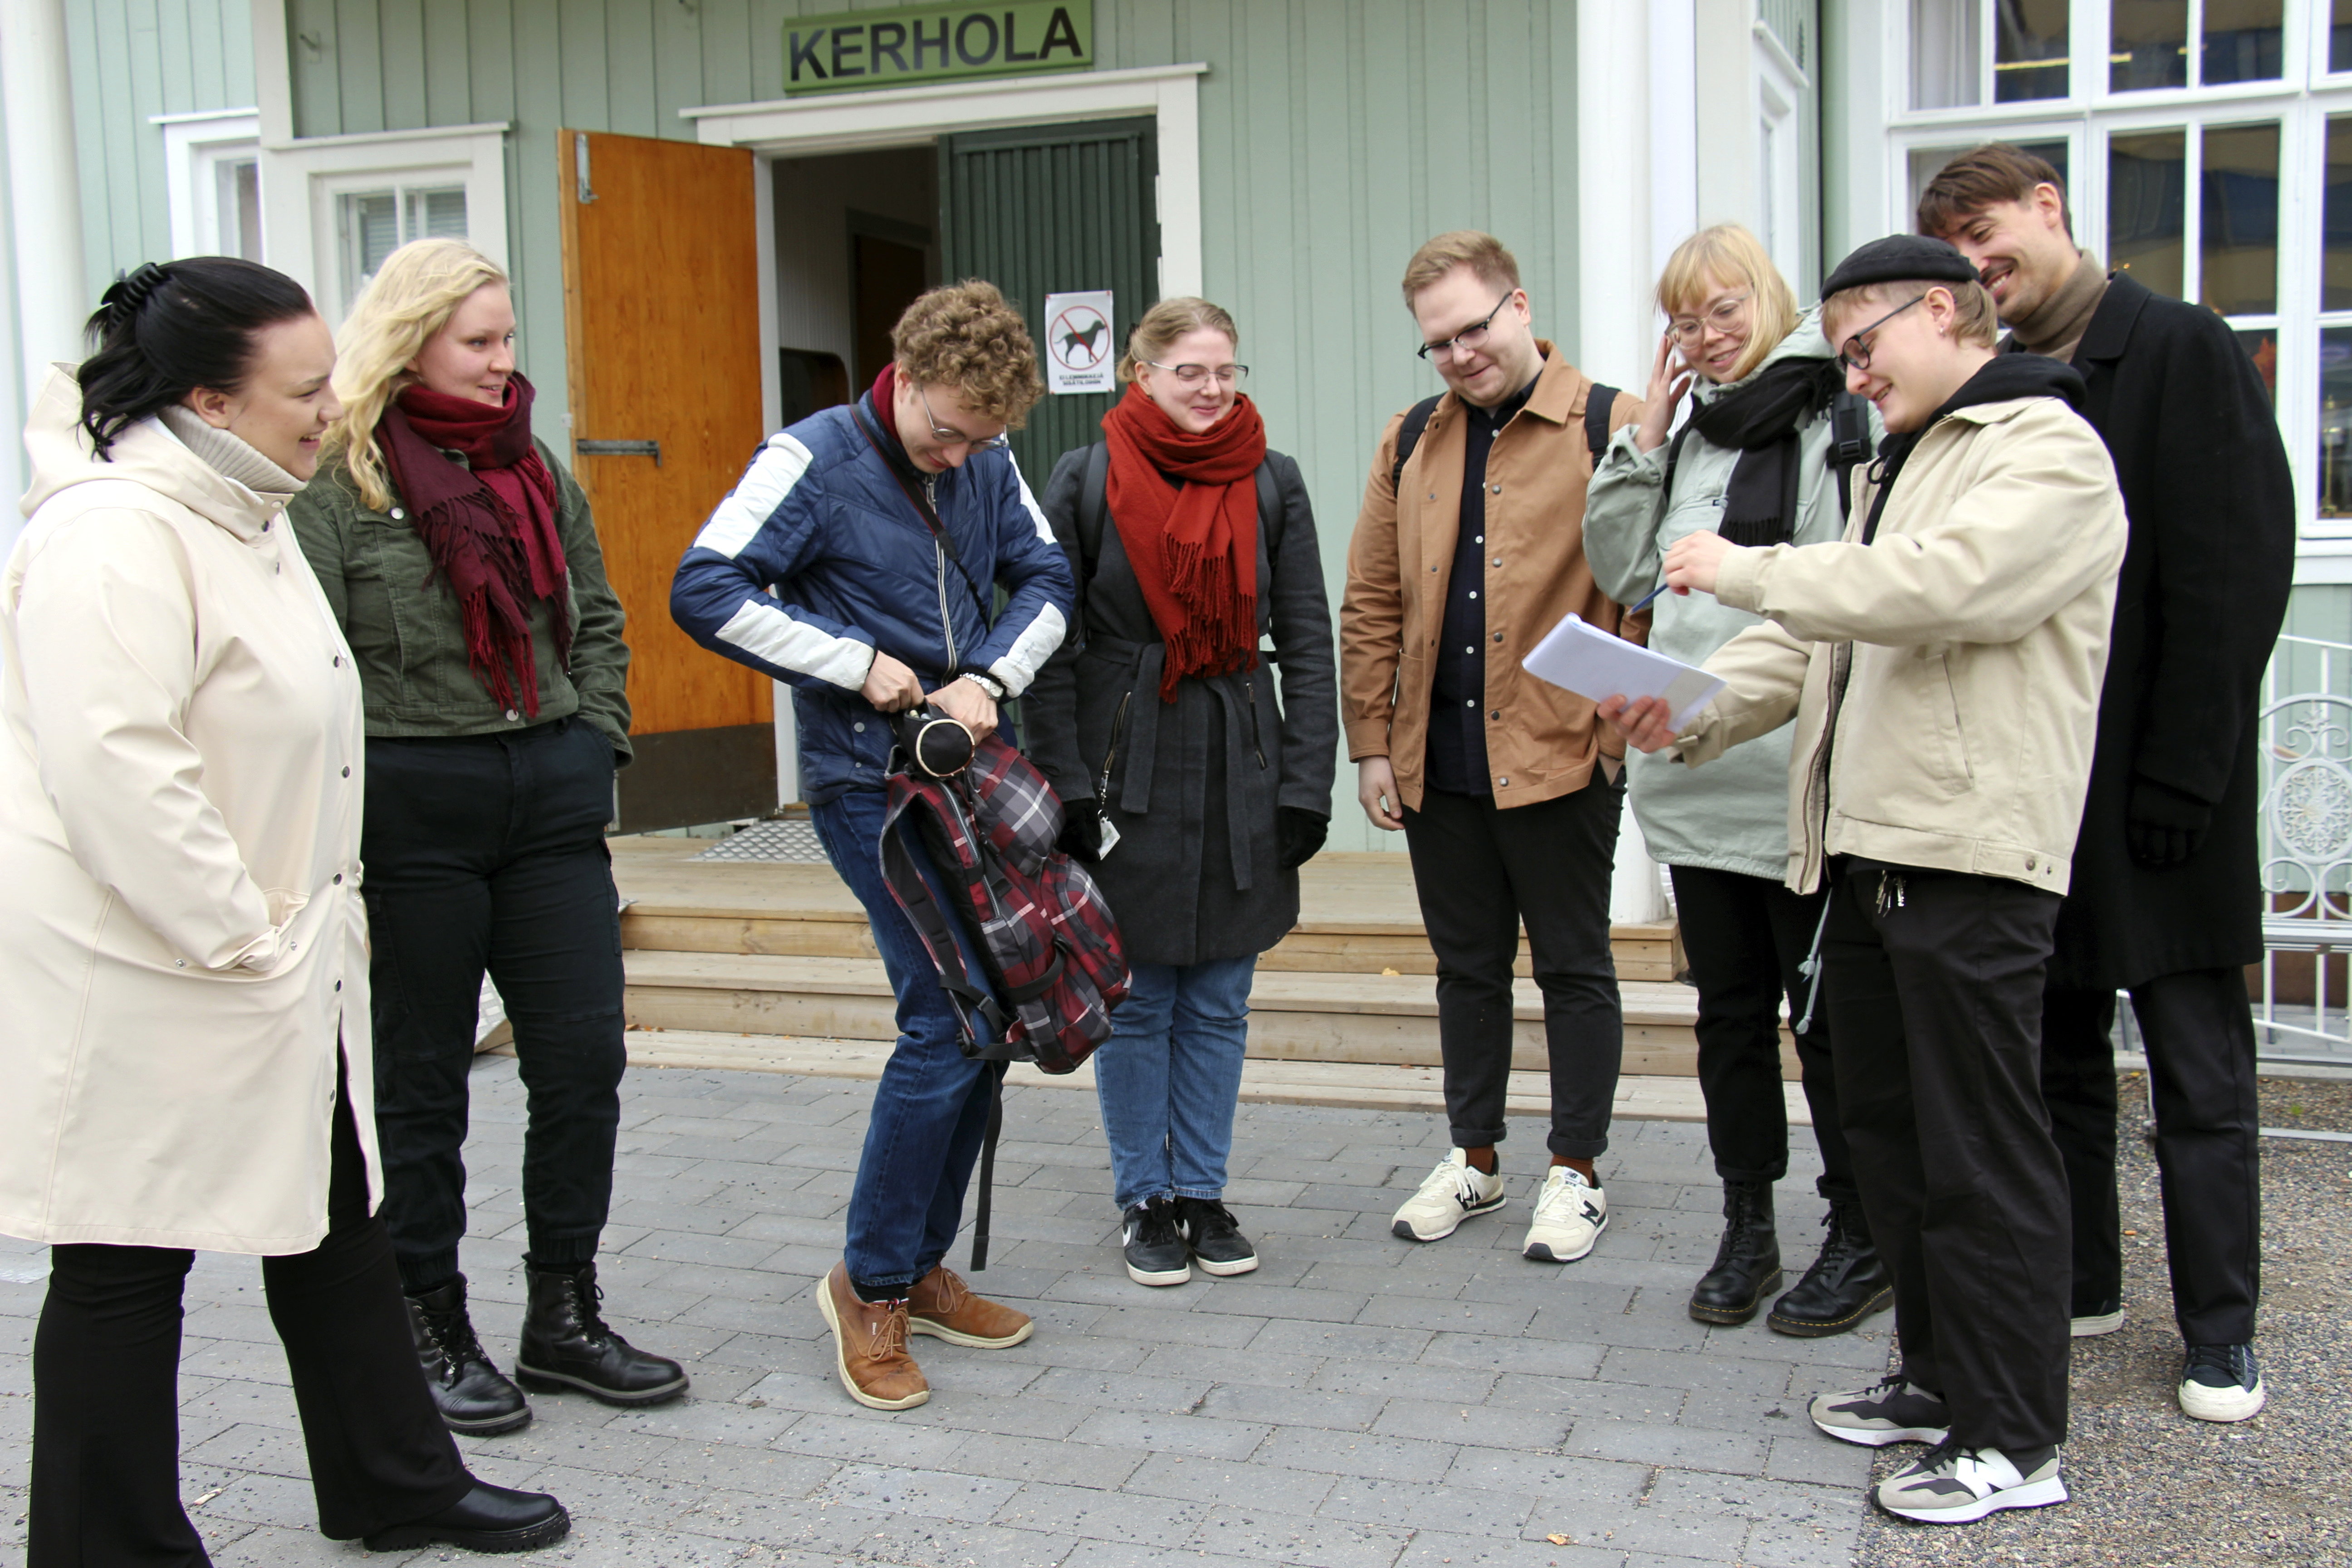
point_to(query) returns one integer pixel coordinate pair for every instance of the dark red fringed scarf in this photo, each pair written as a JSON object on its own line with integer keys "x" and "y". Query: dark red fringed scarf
{"x": 490, "y": 529}
{"x": 1193, "y": 548}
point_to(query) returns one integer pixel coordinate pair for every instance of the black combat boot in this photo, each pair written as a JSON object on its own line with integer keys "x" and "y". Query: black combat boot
{"x": 1846, "y": 1283}
{"x": 566, "y": 1343}
{"x": 472, "y": 1395}
{"x": 1747, "y": 1265}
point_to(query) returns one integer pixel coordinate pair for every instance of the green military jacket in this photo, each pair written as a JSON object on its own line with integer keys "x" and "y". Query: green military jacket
{"x": 402, "y": 620}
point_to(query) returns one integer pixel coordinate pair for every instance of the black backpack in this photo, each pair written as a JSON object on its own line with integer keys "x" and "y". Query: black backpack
{"x": 1598, "y": 404}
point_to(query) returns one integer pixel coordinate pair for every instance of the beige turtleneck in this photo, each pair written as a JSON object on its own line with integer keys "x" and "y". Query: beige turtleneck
{"x": 2056, "y": 326}
{"x": 229, "y": 456}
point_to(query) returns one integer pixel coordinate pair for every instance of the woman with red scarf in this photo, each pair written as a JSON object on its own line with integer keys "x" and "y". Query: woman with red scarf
{"x": 1195, "y": 793}
{"x": 461, "y": 560}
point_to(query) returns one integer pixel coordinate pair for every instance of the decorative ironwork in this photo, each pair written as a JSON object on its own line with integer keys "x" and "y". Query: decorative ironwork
{"x": 2306, "y": 753}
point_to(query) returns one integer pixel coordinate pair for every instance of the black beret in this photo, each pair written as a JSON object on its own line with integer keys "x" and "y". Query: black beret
{"x": 1900, "y": 259}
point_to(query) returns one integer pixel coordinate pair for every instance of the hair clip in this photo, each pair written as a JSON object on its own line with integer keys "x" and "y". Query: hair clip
{"x": 129, "y": 291}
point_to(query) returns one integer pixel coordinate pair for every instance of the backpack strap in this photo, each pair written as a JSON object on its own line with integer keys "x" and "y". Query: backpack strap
{"x": 1849, "y": 443}
{"x": 1599, "y": 403}
{"x": 1416, "y": 420}
{"x": 1094, "y": 507}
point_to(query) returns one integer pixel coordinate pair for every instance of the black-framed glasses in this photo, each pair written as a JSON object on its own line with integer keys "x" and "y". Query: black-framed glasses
{"x": 953, "y": 436}
{"x": 1856, "y": 353}
{"x": 1723, "y": 318}
{"x": 1471, "y": 336}
{"x": 1195, "y": 374}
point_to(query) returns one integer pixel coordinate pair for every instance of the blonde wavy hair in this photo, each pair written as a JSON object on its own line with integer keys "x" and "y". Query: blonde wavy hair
{"x": 1162, "y": 324}
{"x": 412, "y": 296}
{"x": 1728, "y": 257}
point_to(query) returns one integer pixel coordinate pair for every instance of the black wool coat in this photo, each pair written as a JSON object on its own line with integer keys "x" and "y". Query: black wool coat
{"x": 1196, "y": 874}
{"x": 2204, "y": 592}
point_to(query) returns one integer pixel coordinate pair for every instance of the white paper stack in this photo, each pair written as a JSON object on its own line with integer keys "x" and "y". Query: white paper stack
{"x": 1582, "y": 658}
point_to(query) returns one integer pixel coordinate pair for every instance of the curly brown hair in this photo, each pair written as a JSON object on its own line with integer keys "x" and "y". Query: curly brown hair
{"x": 968, "y": 336}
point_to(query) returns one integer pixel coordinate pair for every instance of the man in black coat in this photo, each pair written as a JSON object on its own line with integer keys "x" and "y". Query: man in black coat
{"x": 2167, "y": 893}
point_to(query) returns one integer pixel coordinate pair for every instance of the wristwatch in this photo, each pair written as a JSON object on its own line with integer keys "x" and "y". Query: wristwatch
{"x": 987, "y": 683}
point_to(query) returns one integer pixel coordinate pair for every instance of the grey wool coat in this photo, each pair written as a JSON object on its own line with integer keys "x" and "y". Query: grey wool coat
{"x": 1193, "y": 785}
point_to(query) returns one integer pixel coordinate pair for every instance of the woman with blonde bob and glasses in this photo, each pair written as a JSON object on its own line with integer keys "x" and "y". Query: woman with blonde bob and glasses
{"x": 1754, "y": 465}
{"x": 1193, "y": 793}
{"x": 462, "y": 562}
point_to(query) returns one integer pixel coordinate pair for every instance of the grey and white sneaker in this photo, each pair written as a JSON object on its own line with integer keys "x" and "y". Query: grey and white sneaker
{"x": 1889, "y": 1411}
{"x": 1570, "y": 1215}
{"x": 1950, "y": 1484}
{"x": 2104, "y": 1319}
{"x": 2221, "y": 1383}
{"x": 1451, "y": 1194}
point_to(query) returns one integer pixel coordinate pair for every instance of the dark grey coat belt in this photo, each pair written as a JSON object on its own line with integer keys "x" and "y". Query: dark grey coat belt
{"x": 1147, "y": 662}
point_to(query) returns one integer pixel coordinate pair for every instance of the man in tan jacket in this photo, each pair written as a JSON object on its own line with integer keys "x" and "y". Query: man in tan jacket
{"x": 1468, "y": 551}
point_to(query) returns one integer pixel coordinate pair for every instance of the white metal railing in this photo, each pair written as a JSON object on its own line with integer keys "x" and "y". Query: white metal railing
{"x": 2305, "y": 827}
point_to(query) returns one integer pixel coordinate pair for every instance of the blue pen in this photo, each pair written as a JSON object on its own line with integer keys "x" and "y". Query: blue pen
{"x": 1637, "y": 609}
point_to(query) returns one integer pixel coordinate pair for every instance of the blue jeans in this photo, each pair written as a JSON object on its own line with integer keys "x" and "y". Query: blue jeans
{"x": 930, "y": 1110}
{"x": 1168, "y": 1075}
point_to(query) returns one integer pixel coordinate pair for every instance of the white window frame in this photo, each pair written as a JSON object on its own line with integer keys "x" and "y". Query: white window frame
{"x": 196, "y": 146}
{"x": 1779, "y": 94}
{"x": 303, "y": 180}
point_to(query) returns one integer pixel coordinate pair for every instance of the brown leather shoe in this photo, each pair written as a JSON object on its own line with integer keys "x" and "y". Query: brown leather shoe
{"x": 942, "y": 1305}
{"x": 869, "y": 1340}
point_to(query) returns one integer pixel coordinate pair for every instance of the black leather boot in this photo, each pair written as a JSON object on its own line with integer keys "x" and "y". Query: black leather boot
{"x": 1846, "y": 1283}
{"x": 566, "y": 1343}
{"x": 473, "y": 1397}
{"x": 1747, "y": 1265}
{"x": 488, "y": 1519}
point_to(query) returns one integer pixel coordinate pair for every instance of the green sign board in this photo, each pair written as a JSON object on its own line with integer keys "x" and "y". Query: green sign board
{"x": 855, "y": 50}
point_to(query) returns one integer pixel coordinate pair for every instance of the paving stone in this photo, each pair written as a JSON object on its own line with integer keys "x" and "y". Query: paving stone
{"x": 1354, "y": 1453}
{"x": 1021, "y": 1459}
{"x": 1293, "y": 1407}
{"x": 1203, "y": 1436}
{"x": 1311, "y": 1543}
{"x": 1085, "y": 1511}
{"x": 1496, "y": 1353}
{"x": 1683, "y": 1447}
{"x": 1491, "y": 1425}
{"x": 940, "y": 1494}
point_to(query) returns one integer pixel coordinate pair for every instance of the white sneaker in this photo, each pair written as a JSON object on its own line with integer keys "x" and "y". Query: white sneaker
{"x": 1570, "y": 1215}
{"x": 1451, "y": 1194}
{"x": 1952, "y": 1485}
{"x": 2092, "y": 1325}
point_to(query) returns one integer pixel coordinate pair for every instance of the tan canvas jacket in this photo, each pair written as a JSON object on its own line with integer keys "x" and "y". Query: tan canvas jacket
{"x": 1400, "y": 565}
{"x": 1972, "y": 636}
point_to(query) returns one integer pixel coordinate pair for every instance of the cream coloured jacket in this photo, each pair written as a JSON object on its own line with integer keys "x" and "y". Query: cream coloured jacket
{"x": 181, "y": 937}
{"x": 1971, "y": 638}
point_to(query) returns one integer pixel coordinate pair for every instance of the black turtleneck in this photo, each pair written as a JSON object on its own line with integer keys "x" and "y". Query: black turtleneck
{"x": 1457, "y": 722}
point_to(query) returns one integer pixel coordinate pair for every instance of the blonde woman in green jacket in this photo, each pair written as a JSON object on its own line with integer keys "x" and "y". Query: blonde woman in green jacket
{"x": 1753, "y": 464}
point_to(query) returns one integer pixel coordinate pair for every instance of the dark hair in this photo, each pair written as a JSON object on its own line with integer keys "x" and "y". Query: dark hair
{"x": 1996, "y": 172}
{"x": 162, "y": 331}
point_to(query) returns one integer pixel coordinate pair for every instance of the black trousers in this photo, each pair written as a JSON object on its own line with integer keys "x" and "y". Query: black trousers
{"x": 1935, "y": 999}
{"x": 1746, "y": 937}
{"x": 106, "y": 1365}
{"x": 2200, "y": 1034}
{"x": 488, "y": 852}
{"x": 1479, "y": 872}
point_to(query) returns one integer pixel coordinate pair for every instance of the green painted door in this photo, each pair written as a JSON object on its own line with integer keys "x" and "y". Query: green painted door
{"x": 1056, "y": 209}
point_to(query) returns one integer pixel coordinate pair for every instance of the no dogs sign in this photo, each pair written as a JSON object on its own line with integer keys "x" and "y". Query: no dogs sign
{"x": 1081, "y": 349}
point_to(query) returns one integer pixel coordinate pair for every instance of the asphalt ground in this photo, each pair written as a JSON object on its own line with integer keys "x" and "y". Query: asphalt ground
{"x": 2148, "y": 1484}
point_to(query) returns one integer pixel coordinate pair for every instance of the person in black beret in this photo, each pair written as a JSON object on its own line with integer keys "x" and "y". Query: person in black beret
{"x": 1941, "y": 665}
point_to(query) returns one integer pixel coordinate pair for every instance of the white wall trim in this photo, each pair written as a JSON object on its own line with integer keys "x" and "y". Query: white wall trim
{"x": 298, "y": 178}
{"x": 193, "y": 145}
{"x": 43, "y": 187}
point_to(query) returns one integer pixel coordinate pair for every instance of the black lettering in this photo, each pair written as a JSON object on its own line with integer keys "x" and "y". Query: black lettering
{"x": 849, "y": 42}
{"x": 922, "y": 43}
{"x": 1061, "y": 32}
{"x": 805, "y": 53}
{"x": 887, "y": 40}
{"x": 1012, "y": 50}
{"x": 964, "y": 50}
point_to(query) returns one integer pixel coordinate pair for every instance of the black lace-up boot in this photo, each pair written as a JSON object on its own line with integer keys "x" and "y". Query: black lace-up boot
{"x": 472, "y": 1395}
{"x": 1747, "y": 1265}
{"x": 1846, "y": 1283}
{"x": 566, "y": 1343}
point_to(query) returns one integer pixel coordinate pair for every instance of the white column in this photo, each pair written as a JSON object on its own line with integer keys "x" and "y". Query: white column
{"x": 45, "y": 187}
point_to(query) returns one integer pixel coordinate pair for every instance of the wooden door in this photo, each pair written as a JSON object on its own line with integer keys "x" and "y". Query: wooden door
{"x": 661, "y": 313}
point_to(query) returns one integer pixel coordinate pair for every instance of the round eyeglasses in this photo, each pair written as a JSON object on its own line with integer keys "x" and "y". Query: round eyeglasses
{"x": 1232, "y": 375}
{"x": 1686, "y": 331}
{"x": 1856, "y": 353}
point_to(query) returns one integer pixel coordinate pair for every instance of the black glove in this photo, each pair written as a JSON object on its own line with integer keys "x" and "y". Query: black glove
{"x": 1300, "y": 833}
{"x": 2163, "y": 825}
{"x": 1082, "y": 827}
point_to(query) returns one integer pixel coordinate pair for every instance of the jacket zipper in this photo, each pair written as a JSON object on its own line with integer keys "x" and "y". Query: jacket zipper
{"x": 940, "y": 555}
{"x": 1110, "y": 755}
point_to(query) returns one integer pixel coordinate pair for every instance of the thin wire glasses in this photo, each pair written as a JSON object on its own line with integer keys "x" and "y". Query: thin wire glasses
{"x": 1231, "y": 375}
{"x": 955, "y": 437}
{"x": 1685, "y": 331}
{"x": 1470, "y": 337}
{"x": 1856, "y": 353}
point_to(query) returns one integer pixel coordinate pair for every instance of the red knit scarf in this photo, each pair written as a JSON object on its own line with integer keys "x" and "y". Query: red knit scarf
{"x": 490, "y": 530}
{"x": 1194, "y": 546}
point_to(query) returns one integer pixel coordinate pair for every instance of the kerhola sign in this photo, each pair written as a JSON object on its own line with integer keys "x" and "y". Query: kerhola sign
{"x": 935, "y": 43}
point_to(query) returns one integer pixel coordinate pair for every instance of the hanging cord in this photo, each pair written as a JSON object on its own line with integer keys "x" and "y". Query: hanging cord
{"x": 996, "y": 1071}
{"x": 1811, "y": 967}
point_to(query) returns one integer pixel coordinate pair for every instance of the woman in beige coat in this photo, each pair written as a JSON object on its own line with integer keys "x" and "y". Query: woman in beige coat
{"x": 184, "y": 1020}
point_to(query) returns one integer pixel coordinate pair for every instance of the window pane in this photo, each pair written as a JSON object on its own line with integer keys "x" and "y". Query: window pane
{"x": 2029, "y": 51}
{"x": 1926, "y": 162}
{"x": 2336, "y": 255}
{"x": 369, "y": 222}
{"x": 1945, "y": 49}
{"x": 2147, "y": 176}
{"x": 438, "y": 215}
{"x": 2336, "y": 422}
{"x": 2339, "y": 35}
{"x": 2239, "y": 203}
{"x": 2262, "y": 347}
{"x": 2242, "y": 40}
{"x": 2148, "y": 45}
{"x": 248, "y": 208}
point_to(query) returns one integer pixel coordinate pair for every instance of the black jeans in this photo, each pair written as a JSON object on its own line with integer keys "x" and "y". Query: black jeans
{"x": 2200, "y": 1035}
{"x": 106, "y": 1365}
{"x": 489, "y": 852}
{"x": 1745, "y": 936}
{"x": 1933, "y": 986}
{"x": 1479, "y": 871}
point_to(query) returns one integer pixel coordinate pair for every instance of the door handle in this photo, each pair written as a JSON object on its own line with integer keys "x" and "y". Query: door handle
{"x": 619, "y": 450}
